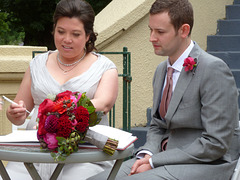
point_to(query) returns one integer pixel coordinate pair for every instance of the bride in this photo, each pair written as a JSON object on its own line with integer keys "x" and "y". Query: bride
{"x": 74, "y": 67}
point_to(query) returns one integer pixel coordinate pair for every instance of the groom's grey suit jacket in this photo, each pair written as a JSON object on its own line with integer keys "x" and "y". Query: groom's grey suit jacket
{"x": 201, "y": 122}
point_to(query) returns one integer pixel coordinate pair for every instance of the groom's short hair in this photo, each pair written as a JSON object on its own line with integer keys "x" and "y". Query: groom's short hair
{"x": 179, "y": 11}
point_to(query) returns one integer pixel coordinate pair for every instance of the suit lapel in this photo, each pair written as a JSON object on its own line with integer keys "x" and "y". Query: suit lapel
{"x": 161, "y": 83}
{"x": 158, "y": 86}
{"x": 181, "y": 86}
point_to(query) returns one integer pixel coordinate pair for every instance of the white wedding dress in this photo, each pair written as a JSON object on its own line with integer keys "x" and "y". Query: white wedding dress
{"x": 42, "y": 85}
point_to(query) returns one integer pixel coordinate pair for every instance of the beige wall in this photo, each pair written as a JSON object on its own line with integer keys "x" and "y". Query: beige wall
{"x": 14, "y": 61}
{"x": 121, "y": 23}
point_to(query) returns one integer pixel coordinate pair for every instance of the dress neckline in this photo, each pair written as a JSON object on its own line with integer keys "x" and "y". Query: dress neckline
{"x": 73, "y": 78}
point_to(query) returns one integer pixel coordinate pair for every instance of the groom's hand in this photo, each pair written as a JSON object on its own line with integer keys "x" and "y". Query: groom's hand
{"x": 141, "y": 165}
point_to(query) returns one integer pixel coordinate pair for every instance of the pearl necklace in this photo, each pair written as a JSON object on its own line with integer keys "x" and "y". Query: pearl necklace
{"x": 66, "y": 71}
{"x": 72, "y": 63}
{"x": 68, "y": 65}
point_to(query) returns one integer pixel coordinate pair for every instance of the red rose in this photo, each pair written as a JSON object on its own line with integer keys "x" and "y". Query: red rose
{"x": 189, "y": 63}
{"x": 41, "y": 129}
{"x": 44, "y": 108}
{"x": 63, "y": 94}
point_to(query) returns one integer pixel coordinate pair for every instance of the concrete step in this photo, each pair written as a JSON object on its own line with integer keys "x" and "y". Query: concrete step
{"x": 223, "y": 43}
{"x": 239, "y": 101}
{"x": 228, "y": 27}
{"x": 236, "y": 2}
{"x": 233, "y": 11}
{"x": 232, "y": 58}
{"x": 236, "y": 74}
{"x": 141, "y": 133}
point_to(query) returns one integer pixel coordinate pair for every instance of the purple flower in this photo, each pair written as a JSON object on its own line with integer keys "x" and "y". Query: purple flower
{"x": 51, "y": 124}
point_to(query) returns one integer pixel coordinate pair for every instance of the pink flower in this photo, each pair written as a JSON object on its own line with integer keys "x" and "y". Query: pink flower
{"x": 50, "y": 139}
{"x": 189, "y": 63}
{"x": 79, "y": 96}
{"x": 74, "y": 122}
{"x": 74, "y": 99}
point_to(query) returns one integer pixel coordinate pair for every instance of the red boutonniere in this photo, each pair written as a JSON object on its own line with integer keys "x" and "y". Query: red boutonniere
{"x": 189, "y": 64}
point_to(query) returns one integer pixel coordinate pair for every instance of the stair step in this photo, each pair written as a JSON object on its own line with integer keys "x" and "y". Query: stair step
{"x": 232, "y": 11}
{"x": 141, "y": 133}
{"x": 236, "y": 74}
{"x": 239, "y": 102}
{"x": 231, "y": 58}
{"x": 223, "y": 43}
{"x": 236, "y": 2}
{"x": 228, "y": 27}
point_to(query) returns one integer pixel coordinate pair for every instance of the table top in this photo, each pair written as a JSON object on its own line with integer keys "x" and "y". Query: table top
{"x": 36, "y": 155}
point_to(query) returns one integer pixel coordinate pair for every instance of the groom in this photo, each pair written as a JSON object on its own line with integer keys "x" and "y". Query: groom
{"x": 196, "y": 138}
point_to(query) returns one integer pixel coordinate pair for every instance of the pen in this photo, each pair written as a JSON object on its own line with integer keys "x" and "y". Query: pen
{"x": 9, "y": 100}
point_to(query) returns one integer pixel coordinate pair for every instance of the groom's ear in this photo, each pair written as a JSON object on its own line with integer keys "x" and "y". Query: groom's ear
{"x": 184, "y": 30}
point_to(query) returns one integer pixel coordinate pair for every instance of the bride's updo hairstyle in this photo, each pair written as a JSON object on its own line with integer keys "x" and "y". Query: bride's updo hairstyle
{"x": 83, "y": 11}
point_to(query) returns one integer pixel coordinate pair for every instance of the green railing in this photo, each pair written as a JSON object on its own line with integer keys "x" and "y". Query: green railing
{"x": 127, "y": 78}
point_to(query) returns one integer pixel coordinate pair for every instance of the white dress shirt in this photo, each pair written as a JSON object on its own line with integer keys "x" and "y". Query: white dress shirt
{"x": 178, "y": 65}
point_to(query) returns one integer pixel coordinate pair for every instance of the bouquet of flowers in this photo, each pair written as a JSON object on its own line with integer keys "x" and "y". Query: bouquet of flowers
{"x": 63, "y": 122}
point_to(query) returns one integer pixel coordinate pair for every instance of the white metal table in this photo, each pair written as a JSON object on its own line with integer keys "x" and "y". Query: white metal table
{"x": 29, "y": 155}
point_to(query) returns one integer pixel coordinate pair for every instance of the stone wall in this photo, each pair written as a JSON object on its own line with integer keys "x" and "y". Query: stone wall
{"x": 14, "y": 60}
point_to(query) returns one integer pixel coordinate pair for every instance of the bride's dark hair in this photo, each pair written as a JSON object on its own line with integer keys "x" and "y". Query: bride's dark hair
{"x": 81, "y": 10}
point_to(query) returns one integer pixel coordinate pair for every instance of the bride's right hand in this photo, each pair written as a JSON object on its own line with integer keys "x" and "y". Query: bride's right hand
{"x": 17, "y": 113}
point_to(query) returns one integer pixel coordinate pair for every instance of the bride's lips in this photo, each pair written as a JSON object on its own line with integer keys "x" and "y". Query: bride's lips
{"x": 66, "y": 47}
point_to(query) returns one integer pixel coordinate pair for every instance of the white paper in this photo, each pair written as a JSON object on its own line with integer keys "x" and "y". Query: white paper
{"x": 20, "y": 136}
{"x": 27, "y": 136}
